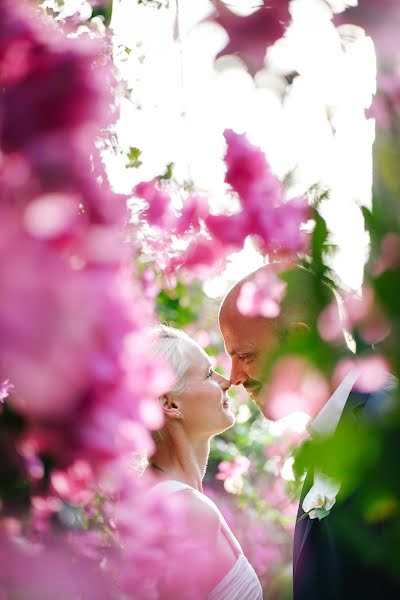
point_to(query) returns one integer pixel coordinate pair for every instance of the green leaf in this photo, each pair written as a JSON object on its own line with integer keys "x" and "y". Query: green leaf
{"x": 105, "y": 12}
{"x": 134, "y": 156}
{"x": 168, "y": 172}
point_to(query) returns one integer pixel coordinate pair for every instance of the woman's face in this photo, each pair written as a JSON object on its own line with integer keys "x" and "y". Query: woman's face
{"x": 203, "y": 403}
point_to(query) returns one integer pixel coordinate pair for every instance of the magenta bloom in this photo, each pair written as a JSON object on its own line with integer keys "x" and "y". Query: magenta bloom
{"x": 261, "y": 296}
{"x": 274, "y": 221}
{"x": 235, "y": 468}
{"x": 159, "y": 211}
{"x": 68, "y": 303}
{"x": 381, "y": 20}
{"x": 250, "y": 36}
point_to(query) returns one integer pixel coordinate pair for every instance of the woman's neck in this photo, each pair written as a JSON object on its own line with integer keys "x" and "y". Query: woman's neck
{"x": 180, "y": 458}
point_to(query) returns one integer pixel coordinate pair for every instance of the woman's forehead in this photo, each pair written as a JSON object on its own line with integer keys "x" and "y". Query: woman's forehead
{"x": 198, "y": 357}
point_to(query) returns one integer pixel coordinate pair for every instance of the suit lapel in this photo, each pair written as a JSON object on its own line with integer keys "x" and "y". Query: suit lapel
{"x": 304, "y": 524}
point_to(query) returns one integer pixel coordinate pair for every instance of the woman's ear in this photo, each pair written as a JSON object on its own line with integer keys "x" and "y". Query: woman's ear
{"x": 170, "y": 406}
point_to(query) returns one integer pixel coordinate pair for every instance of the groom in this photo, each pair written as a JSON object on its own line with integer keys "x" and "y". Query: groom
{"x": 327, "y": 565}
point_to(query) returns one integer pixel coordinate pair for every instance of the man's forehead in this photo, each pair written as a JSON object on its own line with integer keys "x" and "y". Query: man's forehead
{"x": 246, "y": 338}
{"x": 240, "y": 348}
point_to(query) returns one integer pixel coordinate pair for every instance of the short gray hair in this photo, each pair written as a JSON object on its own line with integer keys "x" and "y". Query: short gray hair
{"x": 173, "y": 346}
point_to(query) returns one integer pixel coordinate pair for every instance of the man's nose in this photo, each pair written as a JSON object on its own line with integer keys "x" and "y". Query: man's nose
{"x": 237, "y": 376}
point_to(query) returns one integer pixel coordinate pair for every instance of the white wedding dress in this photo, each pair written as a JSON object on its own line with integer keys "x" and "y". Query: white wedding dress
{"x": 241, "y": 582}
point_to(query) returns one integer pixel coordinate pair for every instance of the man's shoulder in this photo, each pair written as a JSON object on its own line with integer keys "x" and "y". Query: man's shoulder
{"x": 383, "y": 401}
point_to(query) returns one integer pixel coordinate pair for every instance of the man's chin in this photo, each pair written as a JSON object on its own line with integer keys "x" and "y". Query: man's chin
{"x": 257, "y": 397}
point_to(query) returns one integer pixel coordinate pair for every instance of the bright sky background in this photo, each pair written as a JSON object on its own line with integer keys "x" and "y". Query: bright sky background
{"x": 181, "y": 102}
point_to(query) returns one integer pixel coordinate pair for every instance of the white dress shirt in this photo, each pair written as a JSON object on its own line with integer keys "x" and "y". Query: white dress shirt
{"x": 326, "y": 422}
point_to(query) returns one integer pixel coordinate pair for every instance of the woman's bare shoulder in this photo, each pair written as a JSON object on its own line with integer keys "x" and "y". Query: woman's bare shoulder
{"x": 201, "y": 515}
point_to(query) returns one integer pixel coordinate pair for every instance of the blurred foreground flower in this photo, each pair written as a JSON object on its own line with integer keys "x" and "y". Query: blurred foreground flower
{"x": 64, "y": 269}
{"x": 198, "y": 242}
{"x": 261, "y": 295}
{"x": 372, "y": 372}
{"x": 295, "y": 386}
{"x": 250, "y": 36}
{"x": 357, "y": 312}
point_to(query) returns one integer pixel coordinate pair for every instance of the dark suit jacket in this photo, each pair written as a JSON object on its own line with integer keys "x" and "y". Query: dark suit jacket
{"x": 325, "y": 565}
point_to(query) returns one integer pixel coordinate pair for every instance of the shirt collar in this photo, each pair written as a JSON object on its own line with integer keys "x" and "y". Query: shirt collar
{"x": 326, "y": 422}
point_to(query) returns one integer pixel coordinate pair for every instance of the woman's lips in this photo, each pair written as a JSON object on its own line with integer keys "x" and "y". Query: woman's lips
{"x": 225, "y": 404}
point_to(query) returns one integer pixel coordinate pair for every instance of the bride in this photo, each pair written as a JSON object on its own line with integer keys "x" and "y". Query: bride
{"x": 195, "y": 410}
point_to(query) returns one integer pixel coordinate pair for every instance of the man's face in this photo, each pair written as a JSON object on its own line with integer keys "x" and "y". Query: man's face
{"x": 247, "y": 340}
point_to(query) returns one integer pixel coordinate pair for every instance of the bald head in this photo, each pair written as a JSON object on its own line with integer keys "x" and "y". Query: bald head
{"x": 250, "y": 336}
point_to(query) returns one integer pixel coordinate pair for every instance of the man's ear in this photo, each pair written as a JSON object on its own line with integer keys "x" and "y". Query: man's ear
{"x": 297, "y": 328}
{"x": 170, "y": 406}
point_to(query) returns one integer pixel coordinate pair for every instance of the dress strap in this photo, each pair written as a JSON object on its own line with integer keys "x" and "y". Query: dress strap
{"x": 169, "y": 486}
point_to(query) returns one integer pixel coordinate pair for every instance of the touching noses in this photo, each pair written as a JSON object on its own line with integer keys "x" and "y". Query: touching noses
{"x": 237, "y": 376}
{"x": 224, "y": 383}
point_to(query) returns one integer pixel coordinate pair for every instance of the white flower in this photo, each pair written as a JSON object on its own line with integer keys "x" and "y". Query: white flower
{"x": 321, "y": 497}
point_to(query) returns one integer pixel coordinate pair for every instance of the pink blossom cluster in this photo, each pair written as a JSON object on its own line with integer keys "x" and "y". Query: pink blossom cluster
{"x": 251, "y": 35}
{"x": 205, "y": 238}
{"x": 71, "y": 316}
{"x": 261, "y": 295}
{"x": 76, "y": 363}
{"x": 385, "y": 107}
{"x": 235, "y": 468}
{"x": 372, "y": 369}
{"x": 5, "y": 388}
{"x": 294, "y": 386}
{"x": 265, "y": 213}
{"x": 380, "y": 19}
{"x": 357, "y": 311}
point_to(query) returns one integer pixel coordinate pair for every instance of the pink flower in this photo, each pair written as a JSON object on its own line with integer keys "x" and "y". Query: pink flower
{"x": 385, "y": 106}
{"x": 295, "y": 386}
{"x": 250, "y": 36}
{"x": 359, "y": 311}
{"x": 195, "y": 210}
{"x": 5, "y": 388}
{"x": 233, "y": 469}
{"x": 230, "y": 230}
{"x": 261, "y": 296}
{"x": 248, "y": 172}
{"x": 75, "y": 484}
{"x": 52, "y": 570}
{"x": 389, "y": 256}
{"x": 42, "y": 69}
{"x": 159, "y": 210}
{"x": 275, "y": 222}
{"x": 380, "y": 19}
{"x": 43, "y": 509}
{"x": 373, "y": 372}
{"x": 68, "y": 302}
{"x": 202, "y": 257}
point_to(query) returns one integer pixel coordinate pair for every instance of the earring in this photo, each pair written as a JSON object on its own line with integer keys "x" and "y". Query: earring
{"x": 178, "y": 413}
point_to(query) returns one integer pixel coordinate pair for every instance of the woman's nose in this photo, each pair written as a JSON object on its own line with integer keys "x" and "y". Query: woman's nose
{"x": 224, "y": 383}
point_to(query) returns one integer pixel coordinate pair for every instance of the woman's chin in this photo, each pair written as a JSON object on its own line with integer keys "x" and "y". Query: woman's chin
{"x": 229, "y": 419}
{"x": 226, "y": 421}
